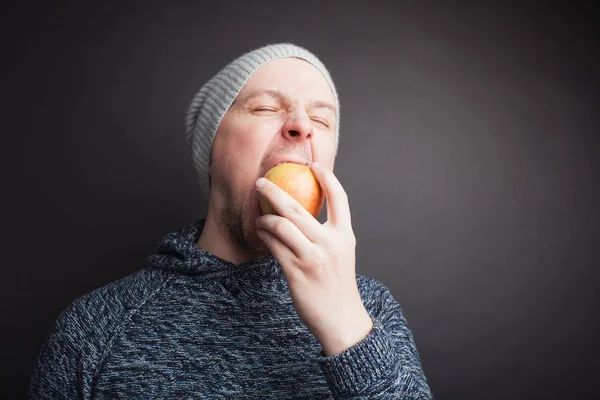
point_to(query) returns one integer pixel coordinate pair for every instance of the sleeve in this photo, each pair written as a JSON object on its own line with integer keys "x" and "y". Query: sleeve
{"x": 64, "y": 368}
{"x": 385, "y": 364}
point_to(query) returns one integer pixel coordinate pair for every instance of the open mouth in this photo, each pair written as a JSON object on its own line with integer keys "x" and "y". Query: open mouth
{"x": 306, "y": 164}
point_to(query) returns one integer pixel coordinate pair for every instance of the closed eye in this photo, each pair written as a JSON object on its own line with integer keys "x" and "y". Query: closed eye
{"x": 321, "y": 122}
{"x": 265, "y": 109}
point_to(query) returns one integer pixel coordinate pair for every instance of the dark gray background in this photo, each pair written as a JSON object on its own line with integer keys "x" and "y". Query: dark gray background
{"x": 469, "y": 151}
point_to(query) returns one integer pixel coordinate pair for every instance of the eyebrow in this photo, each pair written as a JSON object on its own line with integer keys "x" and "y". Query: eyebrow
{"x": 282, "y": 97}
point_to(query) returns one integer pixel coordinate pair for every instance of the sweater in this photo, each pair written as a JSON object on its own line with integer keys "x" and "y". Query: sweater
{"x": 190, "y": 325}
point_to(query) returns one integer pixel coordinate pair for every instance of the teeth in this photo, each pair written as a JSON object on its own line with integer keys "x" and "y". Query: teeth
{"x": 287, "y": 162}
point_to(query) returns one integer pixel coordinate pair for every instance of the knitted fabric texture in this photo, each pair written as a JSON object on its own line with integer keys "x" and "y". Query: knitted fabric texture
{"x": 211, "y": 102}
{"x": 190, "y": 325}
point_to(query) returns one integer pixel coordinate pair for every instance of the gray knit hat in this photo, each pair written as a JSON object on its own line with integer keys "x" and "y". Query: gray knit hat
{"x": 212, "y": 101}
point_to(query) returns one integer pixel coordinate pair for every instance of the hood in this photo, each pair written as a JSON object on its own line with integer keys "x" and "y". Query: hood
{"x": 178, "y": 252}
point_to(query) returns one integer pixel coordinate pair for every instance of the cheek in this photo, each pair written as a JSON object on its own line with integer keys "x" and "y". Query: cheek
{"x": 231, "y": 136}
{"x": 324, "y": 152}
{"x": 239, "y": 147}
{"x": 250, "y": 142}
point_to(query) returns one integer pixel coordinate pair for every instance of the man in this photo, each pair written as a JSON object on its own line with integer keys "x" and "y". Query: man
{"x": 244, "y": 305}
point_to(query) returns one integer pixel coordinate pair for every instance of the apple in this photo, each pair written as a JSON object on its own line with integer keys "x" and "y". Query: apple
{"x": 299, "y": 182}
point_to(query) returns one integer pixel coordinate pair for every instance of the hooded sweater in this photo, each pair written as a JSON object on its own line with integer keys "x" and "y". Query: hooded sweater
{"x": 190, "y": 325}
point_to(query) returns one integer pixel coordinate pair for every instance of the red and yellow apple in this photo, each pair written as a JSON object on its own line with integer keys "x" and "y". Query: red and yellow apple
{"x": 299, "y": 182}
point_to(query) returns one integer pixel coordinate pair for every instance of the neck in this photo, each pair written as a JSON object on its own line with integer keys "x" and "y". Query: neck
{"x": 217, "y": 239}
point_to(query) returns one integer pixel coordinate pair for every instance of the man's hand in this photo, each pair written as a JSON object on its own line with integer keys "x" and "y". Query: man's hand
{"x": 318, "y": 262}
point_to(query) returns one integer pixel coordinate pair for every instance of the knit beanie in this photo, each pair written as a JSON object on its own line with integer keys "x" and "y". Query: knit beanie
{"x": 211, "y": 102}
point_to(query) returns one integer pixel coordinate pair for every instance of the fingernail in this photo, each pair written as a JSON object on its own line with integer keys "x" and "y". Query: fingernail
{"x": 260, "y": 183}
{"x": 316, "y": 164}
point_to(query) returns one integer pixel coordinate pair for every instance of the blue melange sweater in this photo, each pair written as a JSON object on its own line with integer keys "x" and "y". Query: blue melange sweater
{"x": 190, "y": 325}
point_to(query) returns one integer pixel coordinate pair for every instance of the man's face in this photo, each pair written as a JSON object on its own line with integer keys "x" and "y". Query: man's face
{"x": 282, "y": 113}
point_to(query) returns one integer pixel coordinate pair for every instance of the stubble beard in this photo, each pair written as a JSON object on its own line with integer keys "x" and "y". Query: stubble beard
{"x": 235, "y": 218}
{"x": 232, "y": 218}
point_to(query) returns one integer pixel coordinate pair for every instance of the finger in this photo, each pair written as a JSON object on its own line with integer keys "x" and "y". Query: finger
{"x": 288, "y": 233}
{"x": 282, "y": 253}
{"x": 338, "y": 208}
{"x": 287, "y": 207}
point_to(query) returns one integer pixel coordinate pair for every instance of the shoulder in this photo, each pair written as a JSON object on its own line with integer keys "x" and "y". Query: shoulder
{"x": 83, "y": 333}
{"x": 90, "y": 322}
{"x": 103, "y": 308}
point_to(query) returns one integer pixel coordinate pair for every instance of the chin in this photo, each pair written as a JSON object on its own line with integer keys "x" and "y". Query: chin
{"x": 257, "y": 247}
{"x": 251, "y": 238}
{"x": 261, "y": 248}
{"x": 254, "y": 242}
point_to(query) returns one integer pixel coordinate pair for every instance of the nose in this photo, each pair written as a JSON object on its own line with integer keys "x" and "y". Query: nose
{"x": 298, "y": 126}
